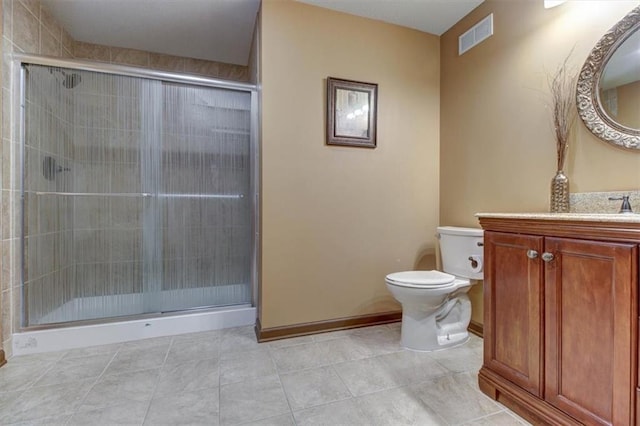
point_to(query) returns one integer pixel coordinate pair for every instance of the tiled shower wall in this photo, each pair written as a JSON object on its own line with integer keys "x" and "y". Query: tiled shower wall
{"x": 28, "y": 27}
{"x": 157, "y": 61}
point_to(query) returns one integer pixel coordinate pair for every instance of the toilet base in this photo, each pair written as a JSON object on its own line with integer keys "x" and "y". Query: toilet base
{"x": 433, "y": 343}
{"x": 442, "y": 329}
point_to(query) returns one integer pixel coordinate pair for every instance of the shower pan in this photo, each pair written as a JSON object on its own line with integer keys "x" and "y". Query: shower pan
{"x": 138, "y": 192}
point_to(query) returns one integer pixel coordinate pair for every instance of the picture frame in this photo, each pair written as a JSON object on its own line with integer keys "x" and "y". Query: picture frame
{"x": 351, "y": 113}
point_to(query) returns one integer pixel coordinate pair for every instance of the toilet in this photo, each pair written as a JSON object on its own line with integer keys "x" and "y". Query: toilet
{"x": 435, "y": 306}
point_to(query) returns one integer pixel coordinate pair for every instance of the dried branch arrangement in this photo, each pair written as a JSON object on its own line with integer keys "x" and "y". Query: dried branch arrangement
{"x": 562, "y": 86}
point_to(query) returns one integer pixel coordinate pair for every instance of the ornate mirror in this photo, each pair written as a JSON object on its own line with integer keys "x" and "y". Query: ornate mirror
{"x": 608, "y": 90}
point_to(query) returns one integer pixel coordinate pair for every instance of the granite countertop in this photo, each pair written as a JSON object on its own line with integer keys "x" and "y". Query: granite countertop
{"x": 584, "y": 217}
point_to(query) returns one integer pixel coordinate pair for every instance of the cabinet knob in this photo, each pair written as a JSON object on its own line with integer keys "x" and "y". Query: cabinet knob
{"x": 532, "y": 254}
{"x": 547, "y": 257}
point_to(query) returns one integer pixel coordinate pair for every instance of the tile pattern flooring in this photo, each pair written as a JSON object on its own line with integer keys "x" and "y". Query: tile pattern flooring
{"x": 352, "y": 377}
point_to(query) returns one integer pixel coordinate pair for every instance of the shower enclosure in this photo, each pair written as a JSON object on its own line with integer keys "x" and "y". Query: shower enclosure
{"x": 137, "y": 192}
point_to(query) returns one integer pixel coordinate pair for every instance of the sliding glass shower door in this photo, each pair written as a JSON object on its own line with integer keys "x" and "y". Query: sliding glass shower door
{"x": 136, "y": 196}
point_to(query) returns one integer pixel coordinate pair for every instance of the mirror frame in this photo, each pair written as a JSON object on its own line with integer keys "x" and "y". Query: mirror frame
{"x": 587, "y": 96}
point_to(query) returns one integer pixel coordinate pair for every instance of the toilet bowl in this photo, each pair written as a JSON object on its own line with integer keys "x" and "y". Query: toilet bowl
{"x": 436, "y": 310}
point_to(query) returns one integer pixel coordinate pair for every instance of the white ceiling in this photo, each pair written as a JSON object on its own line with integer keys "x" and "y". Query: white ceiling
{"x": 217, "y": 30}
{"x": 222, "y": 30}
{"x": 430, "y": 16}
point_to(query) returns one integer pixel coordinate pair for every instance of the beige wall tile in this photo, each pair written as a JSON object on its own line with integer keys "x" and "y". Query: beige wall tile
{"x": 159, "y": 61}
{"x": 225, "y": 70}
{"x": 6, "y": 163}
{"x": 33, "y": 6}
{"x": 49, "y": 45}
{"x": 4, "y": 147}
{"x": 5, "y": 212}
{"x": 16, "y": 267}
{"x": 3, "y": 295}
{"x": 49, "y": 22}
{"x": 7, "y": 317}
{"x": 7, "y": 15}
{"x": 7, "y": 126}
{"x": 7, "y": 48}
{"x": 15, "y": 214}
{"x": 26, "y": 29}
{"x": 5, "y": 274}
{"x": 91, "y": 51}
{"x": 67, "y": 41}
{"x": 66, "y": 54}
{"x": 201, "y": 67}
{"x": 14, "y": 179}
{"x": 15, "y": 310}
{"x": 166, "y": 62}
{"x": 129, "y": 56}
{"x": 216, "y": 69}
{"x": 234, "y": 72}
{"x": 1, "y": 321}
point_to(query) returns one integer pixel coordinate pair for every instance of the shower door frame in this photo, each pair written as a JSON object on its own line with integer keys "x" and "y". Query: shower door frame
{"x": 19, "y": 72}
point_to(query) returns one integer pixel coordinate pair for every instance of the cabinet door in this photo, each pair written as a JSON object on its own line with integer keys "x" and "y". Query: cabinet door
{"x": 590, "y": 306}
{"x": 513, "y": 308}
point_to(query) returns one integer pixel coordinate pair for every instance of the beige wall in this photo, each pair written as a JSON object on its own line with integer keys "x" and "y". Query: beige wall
{"x": 336, "y": 220}
{"x": 497, "y": 145}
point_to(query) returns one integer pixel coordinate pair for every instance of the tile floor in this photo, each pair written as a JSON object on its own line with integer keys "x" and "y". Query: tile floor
{"x": 353, "y": 377}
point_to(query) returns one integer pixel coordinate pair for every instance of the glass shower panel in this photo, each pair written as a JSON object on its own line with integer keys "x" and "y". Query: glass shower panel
{"x": 204, "y": 197}
{"x": 47, "y": 159}
{"x": 83, "y": 143}
{"x": 136, "y": 196}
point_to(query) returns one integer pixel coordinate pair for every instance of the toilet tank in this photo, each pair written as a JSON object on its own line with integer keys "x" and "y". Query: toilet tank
{"x": 461, "y": 251}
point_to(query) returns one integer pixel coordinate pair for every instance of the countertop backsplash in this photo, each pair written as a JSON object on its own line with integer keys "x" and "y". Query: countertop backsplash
{"x": 598, "y": 202}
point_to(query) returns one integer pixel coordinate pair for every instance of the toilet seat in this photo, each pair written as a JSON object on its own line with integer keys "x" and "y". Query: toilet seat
{"x": 421, "y": 279}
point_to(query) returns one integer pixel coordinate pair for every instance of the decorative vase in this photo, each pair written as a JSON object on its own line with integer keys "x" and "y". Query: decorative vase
{"x": 560, "y": 193}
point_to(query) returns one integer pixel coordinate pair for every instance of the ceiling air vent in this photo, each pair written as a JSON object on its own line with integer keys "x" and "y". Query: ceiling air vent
{"x": 479, "y": 32}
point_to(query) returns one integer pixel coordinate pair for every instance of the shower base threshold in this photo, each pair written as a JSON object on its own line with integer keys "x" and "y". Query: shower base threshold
{"x": 59, "y": 339}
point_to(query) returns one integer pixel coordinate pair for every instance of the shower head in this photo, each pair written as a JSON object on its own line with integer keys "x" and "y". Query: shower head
{"x": 69, "y": 81}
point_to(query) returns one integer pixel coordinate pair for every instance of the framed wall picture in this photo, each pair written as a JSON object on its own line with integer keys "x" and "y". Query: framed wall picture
{"x": 351, "y": 113}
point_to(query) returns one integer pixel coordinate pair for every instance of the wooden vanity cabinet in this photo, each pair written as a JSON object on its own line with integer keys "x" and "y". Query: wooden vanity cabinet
{"x": 561, "y": 320}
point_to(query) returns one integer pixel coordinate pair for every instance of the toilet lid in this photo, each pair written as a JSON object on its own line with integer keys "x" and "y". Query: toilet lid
{"x": 428, "y": 279}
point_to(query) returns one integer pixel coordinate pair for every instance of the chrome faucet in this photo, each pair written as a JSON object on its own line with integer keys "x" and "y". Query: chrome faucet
{"x": 626, "y": 206}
